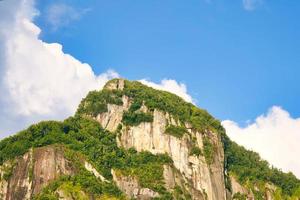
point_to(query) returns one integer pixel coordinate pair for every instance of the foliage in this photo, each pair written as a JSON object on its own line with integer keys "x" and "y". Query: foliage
{"x": 177, "y": 131}
{"x": 8, "y": 171}
{"x": 96, "y": 102}
{"x": 99, "y": 146}
{"x": 195, "y": 151}
{"x": 248, "y": 166}
{"x": 208, "y": 150}
{"x": 239, "y": 196}
{"x": 36, "y": 135}
{"x": 153, "y": 99}
{"x": 180, "y": 193}
{"x": 135, "y": 118}
{"x": 173, "y": 104}
{"x": 147, "y": 168}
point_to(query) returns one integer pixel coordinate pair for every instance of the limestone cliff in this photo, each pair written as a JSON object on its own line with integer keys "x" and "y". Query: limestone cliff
{"x": 130, "y": 141}
{"x": 26, "y": 176}
{"x": 199, "y": 175}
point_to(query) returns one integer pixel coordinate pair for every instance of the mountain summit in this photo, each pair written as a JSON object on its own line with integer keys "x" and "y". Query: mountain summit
{"x": 130, "y": 141}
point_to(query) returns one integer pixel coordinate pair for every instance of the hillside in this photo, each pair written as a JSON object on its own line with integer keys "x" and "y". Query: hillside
{"x": 130, "y": 141}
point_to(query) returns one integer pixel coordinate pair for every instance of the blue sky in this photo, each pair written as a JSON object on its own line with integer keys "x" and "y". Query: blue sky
{"x": 235, "y": 62}
{"x": 238, "y": 59}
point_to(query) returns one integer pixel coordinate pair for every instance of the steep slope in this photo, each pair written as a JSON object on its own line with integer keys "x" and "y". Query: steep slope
{"x": 131, "y": 141}
{"x": 146, "y": 124}
{"x": 37, "y": 172}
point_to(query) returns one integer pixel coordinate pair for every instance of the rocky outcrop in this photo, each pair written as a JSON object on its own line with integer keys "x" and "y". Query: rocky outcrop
{"x": 113, "y": 117}
{"x": 91, "y": 169}
{"x": 130, "y": 186}
{"x": 150, "y": 136}
{"x": 173, "y": 178}
{"x": 48, "y": 164}
{"x": 238, "y": 189}
{"x": 33, "y": 171}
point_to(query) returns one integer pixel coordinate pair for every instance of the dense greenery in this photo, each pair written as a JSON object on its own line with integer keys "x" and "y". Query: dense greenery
{"x": 208, "y": 150}
{"x": 168, "y": 102}
{"x": 195, "y": 151}
{"x": 239, "y": 196}
{"x": 96, "y": 102}
{"x": 82, "y": 185}
{"x": 97, "y": 145}
{"x": 177, "y": 131}
{"x": 135, "y": 118}
{"x": 250, "y": 168}
{"x": 85, "y": 136}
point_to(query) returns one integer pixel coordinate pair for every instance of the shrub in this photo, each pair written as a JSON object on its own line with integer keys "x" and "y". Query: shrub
{"x": 208, "y": 150}
{"x": 135, "y": 118}
{"x": 195, "y": 151}
{"x": 176, "y": 131}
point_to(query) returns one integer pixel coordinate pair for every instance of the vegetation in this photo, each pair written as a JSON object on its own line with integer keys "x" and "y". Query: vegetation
{"x": 181, "y": 194}
{"x": 82, "y": 185}
{"x": 135, "y": 118}
{"x": 168, "y": 102}
{"x": 99, "y": 146}
{"x": 177, "y": 131}
{"x": 8, "y": 171}
{"x": 196, "y": 151}
{"x": 239, "y": 196}
{"x": 208, "y": 150}
{"x": 86, "y": 137}
{"x": 153, "y": 99}
{"x": 96, "y": 102}
{"x": 249, "y": 167}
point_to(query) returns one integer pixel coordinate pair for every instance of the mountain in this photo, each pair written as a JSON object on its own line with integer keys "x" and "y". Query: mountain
{"x": 130, "y": 141}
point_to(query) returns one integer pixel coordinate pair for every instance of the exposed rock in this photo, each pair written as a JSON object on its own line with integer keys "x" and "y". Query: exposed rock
{"x": 113, "y": 117}
{"x": 208, "y": 179}
{"x": 169, "y": 177}
{"x": 66, "y": 192}
{"x": 17, "y": 185}
{"x": 49, "y": 164}
{"x": 236, "y": 187}
{"x": 173, "y": 178}
{"x": 117, "y": 84}
{"x": 270, "y": 189}
{"x": 33, "y": 171}
{"x": 130, "y": 186}
{"x": 91, "y": 169}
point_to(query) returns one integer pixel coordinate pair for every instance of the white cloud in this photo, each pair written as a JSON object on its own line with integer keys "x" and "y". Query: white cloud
{"x": 252, "y": 4}
{"x": 275, "y": 136}
{"x": 60, "y": 14}
{"x": 170, "y": 86}
{"x": 38, "y": 80}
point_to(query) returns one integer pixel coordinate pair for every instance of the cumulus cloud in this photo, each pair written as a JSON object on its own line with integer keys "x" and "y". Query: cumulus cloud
{"x": 275, "y": 136}
{"x": 60, "y": 14}
{"x": 38, "y": 80}
{"x": 170, "y": 86}
{"x": 251, "y": 4}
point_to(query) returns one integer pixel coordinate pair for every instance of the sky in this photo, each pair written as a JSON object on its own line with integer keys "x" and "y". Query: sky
{"x": 237, "y": 59}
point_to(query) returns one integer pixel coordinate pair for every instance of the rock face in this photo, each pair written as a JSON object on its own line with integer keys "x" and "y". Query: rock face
{"x": 27, "y": 175}
{"x": 130, "y": 186}
{"x": 208, "y": 179}
{"x": 31, "y": 172}
{"x": 237, "y": 188}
